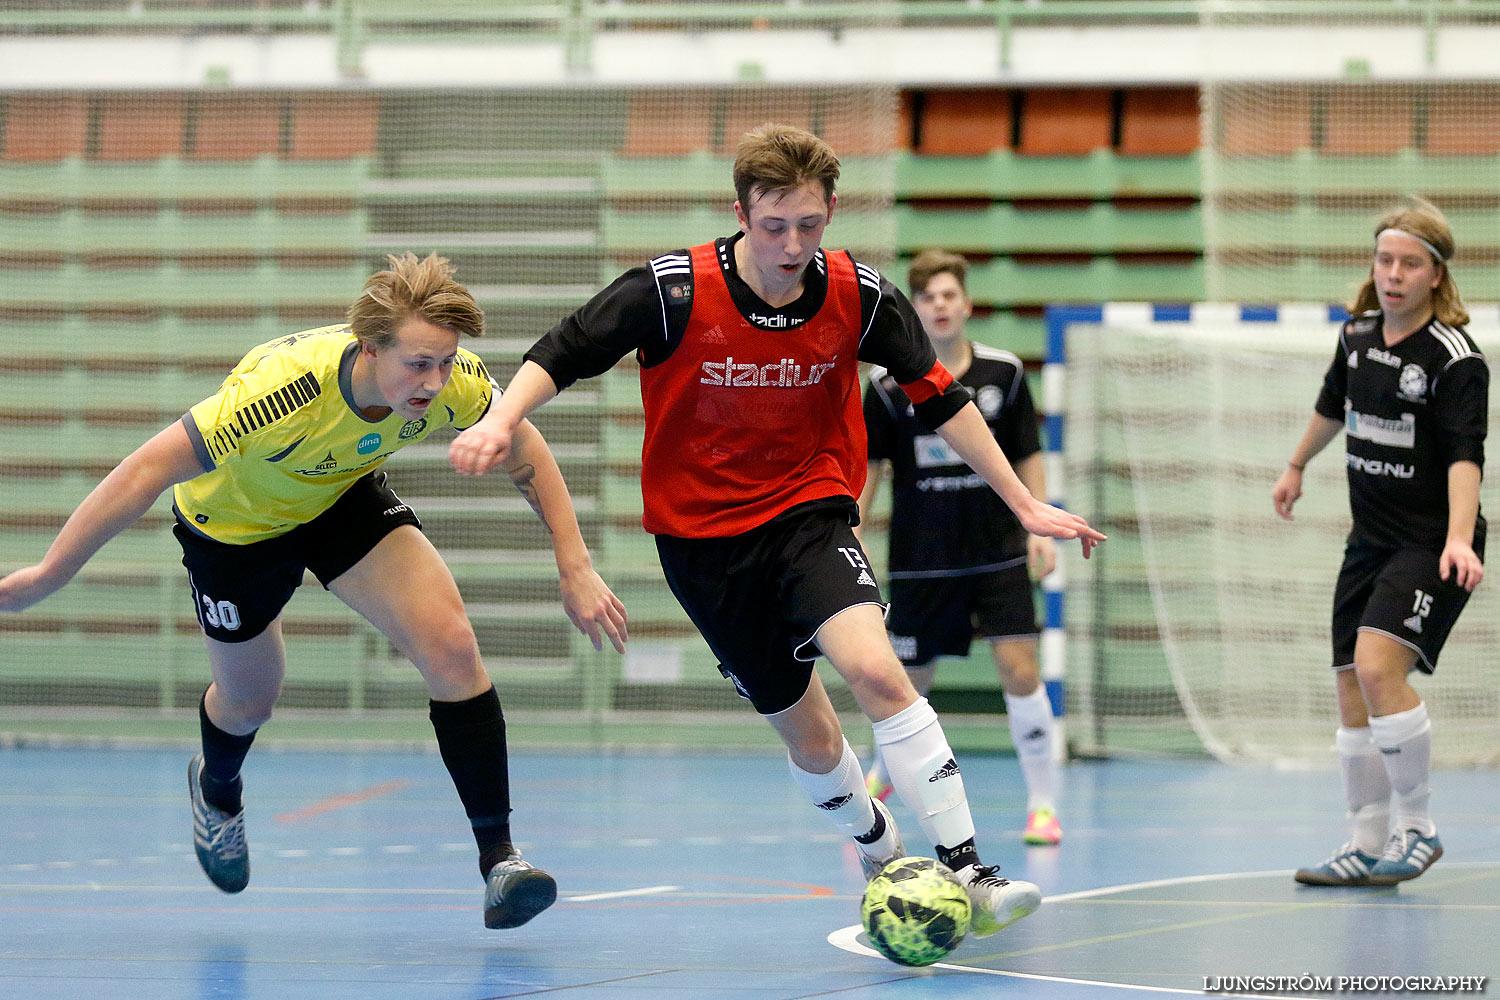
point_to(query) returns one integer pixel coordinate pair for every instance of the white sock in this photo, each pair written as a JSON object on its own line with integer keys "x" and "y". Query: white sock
{"x": 1030, "y": 718}
{"x": 1366, "y": 787}
{"x": 924, "y": 773}
{"x": 841, "y": 795}
{"x": 1405, "y": 741}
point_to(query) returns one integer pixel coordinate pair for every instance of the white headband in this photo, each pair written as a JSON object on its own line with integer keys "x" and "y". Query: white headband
{"x": 1430, "y": 248}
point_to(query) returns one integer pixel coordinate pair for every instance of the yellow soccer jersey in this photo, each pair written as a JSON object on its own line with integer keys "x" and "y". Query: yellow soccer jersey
{"x": 282, "y": 440}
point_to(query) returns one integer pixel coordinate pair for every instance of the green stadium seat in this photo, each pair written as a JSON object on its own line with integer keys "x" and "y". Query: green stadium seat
{"x": 1002, "y": 175}
{"x": 1002, "y": 227}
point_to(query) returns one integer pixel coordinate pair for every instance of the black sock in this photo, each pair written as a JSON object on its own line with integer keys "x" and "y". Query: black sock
{"x": 471, "y": 740}
{"x": 223, "y": 755}
{"x": 960, "y": 857}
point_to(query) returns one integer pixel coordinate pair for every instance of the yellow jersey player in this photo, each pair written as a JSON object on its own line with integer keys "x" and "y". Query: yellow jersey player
{"x": 278, "y": 473}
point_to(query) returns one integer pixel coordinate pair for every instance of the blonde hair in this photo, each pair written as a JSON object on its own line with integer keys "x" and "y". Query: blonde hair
{"x": 411, "y": 287}
{"x": 1421, "y": 219}
{"x": 930, "y": 263}
{"x": 777, "y": 157}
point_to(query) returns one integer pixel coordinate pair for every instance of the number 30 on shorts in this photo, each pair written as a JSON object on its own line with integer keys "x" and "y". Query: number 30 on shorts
{"x": 220, "y": 614}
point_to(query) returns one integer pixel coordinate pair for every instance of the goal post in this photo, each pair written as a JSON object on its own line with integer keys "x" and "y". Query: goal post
{"x": 1205, "y": 618}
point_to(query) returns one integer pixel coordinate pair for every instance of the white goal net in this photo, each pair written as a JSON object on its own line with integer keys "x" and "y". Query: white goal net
{"x": 1178, "y": 424}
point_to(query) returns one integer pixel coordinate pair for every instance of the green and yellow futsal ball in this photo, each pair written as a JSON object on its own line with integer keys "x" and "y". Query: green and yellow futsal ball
{"x": 915, "y": 912}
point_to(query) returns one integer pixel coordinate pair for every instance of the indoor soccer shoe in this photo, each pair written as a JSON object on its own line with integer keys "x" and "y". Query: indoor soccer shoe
{"x": 872, "y": 866}
{"x": 1348, "y": 866}
{"x": 995, "y": 902}
{"x": 218, "y": 837}
{"x": 1407, "y": 855}
{"x": 1042, "y": 828}
{"x": 515, "y": 892}
{"x": 879, "y": 790}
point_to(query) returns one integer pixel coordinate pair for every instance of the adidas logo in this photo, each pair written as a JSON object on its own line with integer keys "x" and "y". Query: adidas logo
{"x": 837, "y": 803}
{"x": 1414, "y": 623}
{"x": 948, "y": 770}
{"x": 866, "y": 580}
{"x": 715, "y": 335}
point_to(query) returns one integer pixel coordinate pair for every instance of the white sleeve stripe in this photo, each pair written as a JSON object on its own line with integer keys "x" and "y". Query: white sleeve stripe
{"x": 1450, "y": 339}
{"x": 663, "y": 300}
{"x": 874, "y": 311}
{"x": 875, "y": 376}
{"x": 997, "y": 354}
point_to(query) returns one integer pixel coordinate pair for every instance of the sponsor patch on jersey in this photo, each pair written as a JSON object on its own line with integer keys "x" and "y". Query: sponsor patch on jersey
{"x": 933, "y": 452}
{"x": 1384, "y": 357}
{"x": 368, "y": 443}
{"x": 680, "y": 291}
{"x": 1400, "y": 433}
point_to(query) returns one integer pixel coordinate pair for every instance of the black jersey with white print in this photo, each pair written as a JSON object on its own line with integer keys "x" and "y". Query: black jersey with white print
{"x": 945, "y": 519}
{"x": 1409, "y": 411}
{"x": 645, "y": 311}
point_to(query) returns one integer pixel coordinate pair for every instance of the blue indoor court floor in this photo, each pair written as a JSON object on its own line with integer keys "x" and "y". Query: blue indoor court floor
{"x": 687, "y": 875}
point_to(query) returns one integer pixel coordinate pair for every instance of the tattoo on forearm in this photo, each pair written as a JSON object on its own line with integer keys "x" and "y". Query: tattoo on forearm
{"x": 522, "y": 478}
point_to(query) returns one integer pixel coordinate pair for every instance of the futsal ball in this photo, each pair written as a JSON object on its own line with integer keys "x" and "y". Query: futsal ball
{"x": 915, "y": 912}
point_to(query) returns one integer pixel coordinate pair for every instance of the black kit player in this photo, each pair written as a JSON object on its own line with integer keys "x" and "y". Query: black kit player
{"x": 754, "y": 452}
{"x": 276, "y": 473}
{"x": 960, "y": 563}
{"x": 1410, "y": 390}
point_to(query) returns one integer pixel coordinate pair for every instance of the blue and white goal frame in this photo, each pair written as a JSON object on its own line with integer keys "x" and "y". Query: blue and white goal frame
{"x": 1053, "y": 653}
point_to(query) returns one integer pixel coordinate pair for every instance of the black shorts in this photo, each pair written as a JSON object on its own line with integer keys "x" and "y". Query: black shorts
{"x": 940, "y": 616}
{"x": 760, "y": 597}
{"x": 238, "y": 590}
{"x": 1397, "y": 593}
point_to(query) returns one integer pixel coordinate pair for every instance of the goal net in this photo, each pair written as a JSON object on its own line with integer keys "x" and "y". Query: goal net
{"x": 1205, "y": 610}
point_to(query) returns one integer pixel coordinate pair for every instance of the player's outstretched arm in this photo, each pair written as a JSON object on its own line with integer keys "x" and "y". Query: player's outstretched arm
{"x": 591, "y": 605}
{"x": 1288, "y": 489}
{"x": 116, "y": 503}
{"x": 968, "y": 434}
{"x": 486, "y": 445}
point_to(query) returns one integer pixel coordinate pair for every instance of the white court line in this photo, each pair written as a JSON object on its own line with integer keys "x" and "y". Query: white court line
{"x": 647, "y": 891}
{"x": 847, "y": 938}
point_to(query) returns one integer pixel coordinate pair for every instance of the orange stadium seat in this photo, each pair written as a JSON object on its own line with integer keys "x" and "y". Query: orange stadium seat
{"x": 140, "y": 126}
{"x": 237, "y": 128}
{"x": 667, "y": 124}
{"x": 1068, "y": 122}
{"x": 855, "y": 127}
{"x": 1160, "y": 122}
{"x": 1464, "y": 121}
{"x": 333, "y": 126}
{"x": 45, "y": 126}
{"x": 747, "y": 111}
{"x": 964, "y": 122}
{"x": 1266, "y": 121}
{"x": 1365, "y": 120}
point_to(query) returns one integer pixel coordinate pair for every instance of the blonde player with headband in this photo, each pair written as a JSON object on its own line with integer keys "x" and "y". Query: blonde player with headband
{"x": 1411, "y": 389}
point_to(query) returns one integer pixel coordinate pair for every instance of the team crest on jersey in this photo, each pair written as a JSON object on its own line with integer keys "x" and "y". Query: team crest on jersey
{"x": 412, "y": 428}
{"x": 1413, "y": 384}
{"x": 988, "y": 400}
